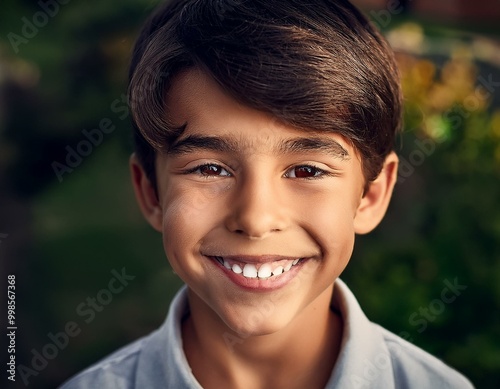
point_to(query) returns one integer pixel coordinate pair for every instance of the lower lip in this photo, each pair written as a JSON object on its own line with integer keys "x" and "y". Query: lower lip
{"x": 257, "y": 284}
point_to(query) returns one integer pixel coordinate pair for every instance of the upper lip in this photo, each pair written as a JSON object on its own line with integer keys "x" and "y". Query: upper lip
{"x": 256, "y": 259}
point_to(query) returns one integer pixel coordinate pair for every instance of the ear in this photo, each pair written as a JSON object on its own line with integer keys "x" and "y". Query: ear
{"x": 145, "y": 194}
{"x": 374, "y": 203}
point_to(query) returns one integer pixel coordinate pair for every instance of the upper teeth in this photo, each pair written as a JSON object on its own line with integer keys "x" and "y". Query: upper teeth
{"x": 249, "y": 270}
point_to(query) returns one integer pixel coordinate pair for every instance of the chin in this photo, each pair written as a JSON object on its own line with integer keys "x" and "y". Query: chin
{"x": 256, "y": 322}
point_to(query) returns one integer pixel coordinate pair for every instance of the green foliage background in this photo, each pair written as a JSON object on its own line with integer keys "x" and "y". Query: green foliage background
{"x": 66, "y": 237}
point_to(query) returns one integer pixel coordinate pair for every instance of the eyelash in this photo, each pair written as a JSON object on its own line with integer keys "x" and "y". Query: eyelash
{"x": 196, "y": 168}
{"x": 322, "y": 173}
{"x": 317, "y": 170}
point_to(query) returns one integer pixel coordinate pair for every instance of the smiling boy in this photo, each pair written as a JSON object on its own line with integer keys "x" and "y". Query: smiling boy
{"x": 264, "y": 142}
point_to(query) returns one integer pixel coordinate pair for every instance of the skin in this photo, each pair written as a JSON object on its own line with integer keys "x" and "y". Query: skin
{"x": 246, "y": 193}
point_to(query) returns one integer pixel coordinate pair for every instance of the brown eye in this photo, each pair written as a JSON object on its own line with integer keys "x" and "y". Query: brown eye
{"x": 212, "y": 170}
{"x": 305, "y": 171}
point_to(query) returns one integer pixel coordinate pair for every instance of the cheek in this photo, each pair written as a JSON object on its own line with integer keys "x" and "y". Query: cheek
{"x": 188, "y": 215}
{"x": 331, "y": 222}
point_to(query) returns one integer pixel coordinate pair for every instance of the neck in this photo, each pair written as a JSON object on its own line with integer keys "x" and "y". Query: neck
{"x": 308, "y": 346}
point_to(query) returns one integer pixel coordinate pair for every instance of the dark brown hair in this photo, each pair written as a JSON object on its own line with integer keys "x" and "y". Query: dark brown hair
{"x": 316, "y": 64}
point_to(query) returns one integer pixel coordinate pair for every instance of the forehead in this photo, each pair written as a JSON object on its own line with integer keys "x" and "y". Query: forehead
{"x": 195, "y": 100}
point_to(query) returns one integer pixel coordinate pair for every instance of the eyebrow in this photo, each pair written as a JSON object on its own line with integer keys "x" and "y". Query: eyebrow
{"x": 314, "y": 144}
{"x": 208, "y": 143}
{"x": 228, "y": 145}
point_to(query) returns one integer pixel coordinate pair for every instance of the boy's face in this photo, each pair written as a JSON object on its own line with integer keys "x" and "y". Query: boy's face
{"x": 240, "y": 187}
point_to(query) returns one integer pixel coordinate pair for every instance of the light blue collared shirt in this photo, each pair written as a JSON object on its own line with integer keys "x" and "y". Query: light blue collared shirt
{"x": 370, "y": 357}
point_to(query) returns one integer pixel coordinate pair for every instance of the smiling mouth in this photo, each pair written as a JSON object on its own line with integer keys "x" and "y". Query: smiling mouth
{"x": 261, "y": 271}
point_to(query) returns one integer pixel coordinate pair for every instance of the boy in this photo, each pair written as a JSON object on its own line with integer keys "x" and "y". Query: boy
{"x": 264, "y": 133}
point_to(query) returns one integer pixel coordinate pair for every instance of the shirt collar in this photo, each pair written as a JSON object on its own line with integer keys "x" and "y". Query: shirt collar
{"x": 162, "y": 362}
{"x": 364, "y": 359}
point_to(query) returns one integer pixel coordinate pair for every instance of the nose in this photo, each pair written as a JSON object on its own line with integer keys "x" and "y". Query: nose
{"x": 257, "y": 209}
